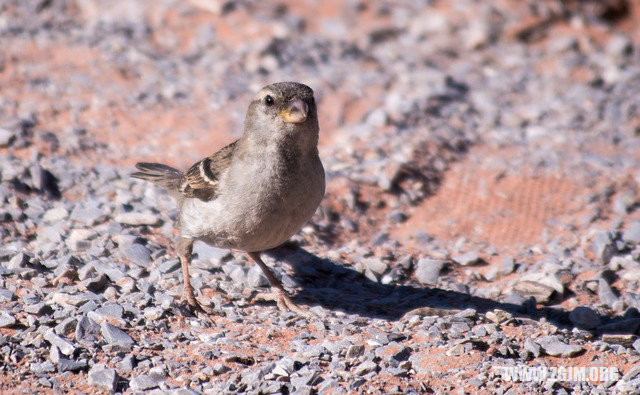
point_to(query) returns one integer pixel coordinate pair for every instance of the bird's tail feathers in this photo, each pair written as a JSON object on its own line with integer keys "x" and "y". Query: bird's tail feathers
{"x": 163, "y": 175}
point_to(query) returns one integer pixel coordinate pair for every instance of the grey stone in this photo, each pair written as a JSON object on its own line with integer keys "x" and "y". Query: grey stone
{"x": 584, "y": 317}
{"x": 422, "y": 237}
{"x": 6, "y": 320}
{"x": 87, "y": 307}
{"x": 114, "y": 274}
{"x": 7, "y": 296}
{"x": 138, "y": 254}
{"x": 186, "y": 391}
{"x": 364, "y": 368}
{"x": 393, "y": 276}
{"x": 54, "y": 354}
{"x": 138, "y": 218}
{"x": 541, "y": 292}
{"x": 110, "y": 310}
{"x": 209, "y": 253}
{"x": 375, "y": 265}
{"x": 220, "y": 368}
{"x": 467, "y": 313}
{"x": 66, "y": 347}
{"x": 238, "y": 275}
{"x": 38, "y": 308}
{"x": 619, "y": 45}
{"x": 87, "y": 331}
{"x": 478, "y": 33}
{"x": 632, "y": 234}
{"x": 69, "y": 365}
{"x": 632, "y": 275}
{"x": 145, "y": 382}
{"x": 43, "y": 381}
{"x": 619, "y": 338}
{"x": 459, "y": 328}
{"x": 603, "y": 247}
{"x": 631, "y": 373}
{"x": 125, "y": 240}
{"x": 67, "y": 326}
{"x": 479, "y": 331}
{"x": 153, "y": 313}
{"x": 88, "y": 214}
{"x": 329, "y": 385}
{"x": 532, "y": 347}
{"x": 405, "y": 263}
{"x": 553, "y": 346}
{"x": 256, "y": 278}
{"x": 468, "y": 259}
{"x": 456, "y": 350}
{"x": 50, "y": 234}
{"x": 421, "y": 363}
{"x": 376, "y": 118}
{"x": 380, "y": 239}
{"x": 65, "y": 299}
{"x": 355, "y": 350}
{"x": 6, "y": 137}
{"x": 308, "y": 379}
{"x": 96, "y": 283}
{"x": 55, "y": 214}
{"x": 38, "y": 176}
{"x": 80, "y": 239}
{"x": 127, "y": 364}
{"x": 401, "y": 354}
{"x": 20, "y": 260}
{"x": 103, "y": 378}
{"x": 606, "y": 294}
{"x": 620, "y": 262}
{"x": 253, "y": 377}
{"x": 427, "y": 270}
{"x": 42, "y": 368}
{"x": 397, "y": 217}
{"x": 169, "y": 266}
{"x": 636, "y": 345}
{"x": 370, "y": 275}
{"x": 508, "y": 265}
{"x": 286, "y": 365}
{"x": 114, "y": 335}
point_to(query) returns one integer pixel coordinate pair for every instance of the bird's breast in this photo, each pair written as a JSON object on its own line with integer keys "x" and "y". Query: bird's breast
{"x": 260, "y": 206}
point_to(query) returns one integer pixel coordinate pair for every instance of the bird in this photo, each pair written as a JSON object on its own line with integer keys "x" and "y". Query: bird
{"x": 255, "y": 193}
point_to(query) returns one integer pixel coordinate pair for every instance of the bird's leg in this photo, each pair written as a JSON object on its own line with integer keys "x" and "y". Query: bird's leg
{"x": 185, "y": 247}
{"x": 281, "y": 297}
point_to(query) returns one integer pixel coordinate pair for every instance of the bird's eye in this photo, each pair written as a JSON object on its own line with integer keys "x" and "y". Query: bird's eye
{"x": 268, "y": 100}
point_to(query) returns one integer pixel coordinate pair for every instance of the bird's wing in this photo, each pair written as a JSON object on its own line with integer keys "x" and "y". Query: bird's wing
{"x": 201, "y": 180}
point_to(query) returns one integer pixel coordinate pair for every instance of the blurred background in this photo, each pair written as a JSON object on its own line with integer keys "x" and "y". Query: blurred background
{"x": 405, "y": 89}
{"x": 487, "y": 148}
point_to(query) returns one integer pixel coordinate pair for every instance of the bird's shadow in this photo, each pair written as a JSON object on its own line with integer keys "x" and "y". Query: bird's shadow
{"x": 337, "y": 287}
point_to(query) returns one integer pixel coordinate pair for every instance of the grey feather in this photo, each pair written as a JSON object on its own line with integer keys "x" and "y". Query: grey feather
{"x": 163, "y": 175}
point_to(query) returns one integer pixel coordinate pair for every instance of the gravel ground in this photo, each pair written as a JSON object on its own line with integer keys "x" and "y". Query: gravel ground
{"x": 482, "y": 206}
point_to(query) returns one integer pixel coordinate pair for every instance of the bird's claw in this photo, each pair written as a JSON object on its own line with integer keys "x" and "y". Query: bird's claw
{"x": 192, "y": 304}
{"x": 283, "y": 301}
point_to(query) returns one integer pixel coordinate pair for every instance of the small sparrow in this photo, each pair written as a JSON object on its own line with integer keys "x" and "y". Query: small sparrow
{"x": 255, "y": 193}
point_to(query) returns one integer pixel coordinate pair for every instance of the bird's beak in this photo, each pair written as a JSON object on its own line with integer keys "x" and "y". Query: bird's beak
{"x": 296, "y": 112}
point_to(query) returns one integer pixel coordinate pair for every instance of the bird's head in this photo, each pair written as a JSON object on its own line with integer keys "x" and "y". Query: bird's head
{"x": 284, "y": 111}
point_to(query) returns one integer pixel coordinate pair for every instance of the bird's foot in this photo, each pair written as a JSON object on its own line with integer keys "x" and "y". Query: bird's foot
{"x": 283, "y": 301}
{"x": 192, "y": 304}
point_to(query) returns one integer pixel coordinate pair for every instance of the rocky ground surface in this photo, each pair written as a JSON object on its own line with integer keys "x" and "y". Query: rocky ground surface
{"x": 482, "y": 207}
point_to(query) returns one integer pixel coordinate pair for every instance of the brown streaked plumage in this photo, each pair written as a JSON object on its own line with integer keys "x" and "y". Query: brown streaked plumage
{"x": 201, "y": 180}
